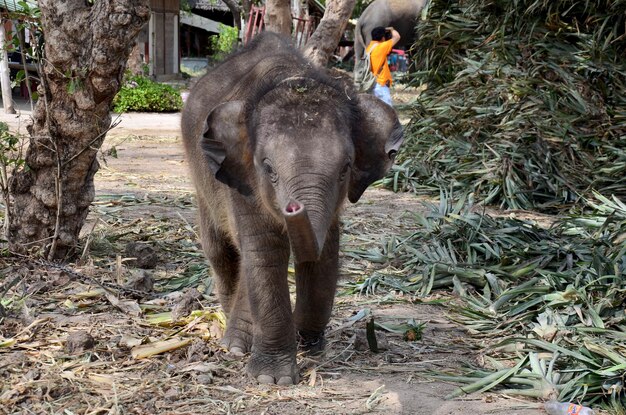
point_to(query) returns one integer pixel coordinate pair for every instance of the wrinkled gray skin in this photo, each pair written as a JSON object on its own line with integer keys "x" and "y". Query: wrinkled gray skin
{"x": 401, "y": 14}
{"x": 275, "y": 147}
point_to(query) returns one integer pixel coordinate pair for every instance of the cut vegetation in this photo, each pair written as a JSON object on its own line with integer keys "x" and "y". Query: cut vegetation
{"x": 525, "y": 108}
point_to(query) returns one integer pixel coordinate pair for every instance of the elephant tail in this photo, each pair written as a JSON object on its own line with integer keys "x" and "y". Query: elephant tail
{"x": 358, "y": 34}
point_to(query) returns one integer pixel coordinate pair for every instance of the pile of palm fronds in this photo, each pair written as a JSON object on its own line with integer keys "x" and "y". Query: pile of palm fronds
{"x": 553, "y": 299}
{"x": 525, "y": 109}
{"x": 526, "y": 102}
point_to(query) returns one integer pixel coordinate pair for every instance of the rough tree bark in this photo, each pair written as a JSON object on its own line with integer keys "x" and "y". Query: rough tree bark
{"x": 86, "y": 49}
{"x": 327, "y": 35}
{"x": 135, "y": 62}
{"x": 246, "y": 5}
{"x": 278, "y": 16}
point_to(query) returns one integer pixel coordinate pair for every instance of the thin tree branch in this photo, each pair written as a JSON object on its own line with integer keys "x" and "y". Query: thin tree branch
{"x": 102, "y": 134}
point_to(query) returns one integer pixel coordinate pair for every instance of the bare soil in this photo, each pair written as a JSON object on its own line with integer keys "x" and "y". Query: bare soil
{"x": 144, "y": 194}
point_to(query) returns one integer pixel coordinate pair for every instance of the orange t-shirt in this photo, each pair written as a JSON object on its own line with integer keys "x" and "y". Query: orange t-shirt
{"x": 378, "y": 57}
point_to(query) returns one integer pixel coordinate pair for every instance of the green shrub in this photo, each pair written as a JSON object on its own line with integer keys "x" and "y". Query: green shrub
{"x": 225, "y": 42}
{"x": 142, "y": 94}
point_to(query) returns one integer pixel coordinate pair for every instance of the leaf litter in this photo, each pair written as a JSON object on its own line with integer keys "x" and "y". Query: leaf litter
{"x": 144, "y": 359}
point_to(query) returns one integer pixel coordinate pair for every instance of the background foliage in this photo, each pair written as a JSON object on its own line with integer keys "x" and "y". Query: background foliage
{"x": 225, "y": 42}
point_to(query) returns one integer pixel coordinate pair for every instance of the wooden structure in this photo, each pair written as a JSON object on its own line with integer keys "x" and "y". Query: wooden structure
{"x": 158, "y": 42}
{"x": 255, "y": 24}
{"x": 200, "y": 23}
{"x": 5, "y": 79}
{"x": 302, "y": 28}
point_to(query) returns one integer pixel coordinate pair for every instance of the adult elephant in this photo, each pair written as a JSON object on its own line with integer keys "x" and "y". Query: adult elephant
{"x": 401, "y": 14}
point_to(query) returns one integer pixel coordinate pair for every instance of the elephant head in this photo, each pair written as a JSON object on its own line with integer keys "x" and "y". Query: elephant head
{"x": 298, "y": 148}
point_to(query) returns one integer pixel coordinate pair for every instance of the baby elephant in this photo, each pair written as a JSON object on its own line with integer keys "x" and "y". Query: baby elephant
{"x": 275, "y": 146}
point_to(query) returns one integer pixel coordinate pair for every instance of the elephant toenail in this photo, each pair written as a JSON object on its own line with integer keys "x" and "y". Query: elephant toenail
{"x": 285, "y": 381}
{"x": 236, "y": 351}
{"x": 266, "y": 379}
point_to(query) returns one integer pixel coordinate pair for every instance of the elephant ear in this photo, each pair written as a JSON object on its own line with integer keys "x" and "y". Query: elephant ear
{"x": 224, "y": 143}
{"x": 376, "y": 142}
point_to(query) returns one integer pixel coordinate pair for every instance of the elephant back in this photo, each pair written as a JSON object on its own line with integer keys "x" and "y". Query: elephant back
{"x": 406, "y": 8}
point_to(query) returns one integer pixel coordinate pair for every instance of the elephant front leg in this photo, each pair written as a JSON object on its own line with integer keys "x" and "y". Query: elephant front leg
{"x": 316, "y": 283}
{"x": 265, "y": 260}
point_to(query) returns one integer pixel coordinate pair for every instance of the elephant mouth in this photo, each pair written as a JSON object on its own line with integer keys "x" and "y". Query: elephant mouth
{"x": 305, "y": 243}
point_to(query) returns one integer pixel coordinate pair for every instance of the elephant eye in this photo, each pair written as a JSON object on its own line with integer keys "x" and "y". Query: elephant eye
{"x": 344, "y": 171}
{"x": 392, "y": 154}
{"x": 269, "y": 170}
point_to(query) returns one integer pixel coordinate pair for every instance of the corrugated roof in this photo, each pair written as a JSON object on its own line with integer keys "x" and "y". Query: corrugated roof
{"x": 16, "y": 5}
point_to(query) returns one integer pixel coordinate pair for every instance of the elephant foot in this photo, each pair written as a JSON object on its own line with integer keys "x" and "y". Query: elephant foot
{"x": 238, "y": 337}
{"x": 279, "y": 369}
{"x": 310, "y": 342}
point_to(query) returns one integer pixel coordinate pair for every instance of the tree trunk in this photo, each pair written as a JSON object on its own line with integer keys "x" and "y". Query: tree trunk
{"x": 235, "y": 9}
{"x": 135, "y": 61}
{"x": 328, "y": 34}
{"x": 86, "y": 50}
{"x": 246, "y": 5}
{"x": 278, "y": 16}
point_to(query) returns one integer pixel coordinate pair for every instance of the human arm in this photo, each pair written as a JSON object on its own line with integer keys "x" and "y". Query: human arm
{"x": 395, "y": 36}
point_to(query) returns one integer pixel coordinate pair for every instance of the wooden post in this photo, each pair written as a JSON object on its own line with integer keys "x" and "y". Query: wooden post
{"x": 5, "y": 79}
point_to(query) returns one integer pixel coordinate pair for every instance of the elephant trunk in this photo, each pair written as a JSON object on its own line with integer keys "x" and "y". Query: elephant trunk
{"x": 306, "y": 244}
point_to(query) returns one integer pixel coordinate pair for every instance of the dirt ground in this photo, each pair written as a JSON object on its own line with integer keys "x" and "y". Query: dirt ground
{"x": 144, "y": 194}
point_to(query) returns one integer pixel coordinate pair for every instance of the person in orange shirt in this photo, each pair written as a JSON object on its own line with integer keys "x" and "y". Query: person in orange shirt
{"x": 383, "y": 40}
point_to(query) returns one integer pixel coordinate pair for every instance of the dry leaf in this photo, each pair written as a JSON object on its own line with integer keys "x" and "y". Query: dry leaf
{"x": 127, "y": 306}
{"x": 312, "y": 377}
{"x": 130, "y": 341}
{"x": 141, "y": 352}
{"x": 204, "y": 367}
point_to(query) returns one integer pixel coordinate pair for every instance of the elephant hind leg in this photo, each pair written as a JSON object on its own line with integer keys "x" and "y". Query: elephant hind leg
{"x": 226, "y": 269}
{"x": 224, "y": 259}
{"x": 238, "y": 336}
{"x": 232, "y": 292}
